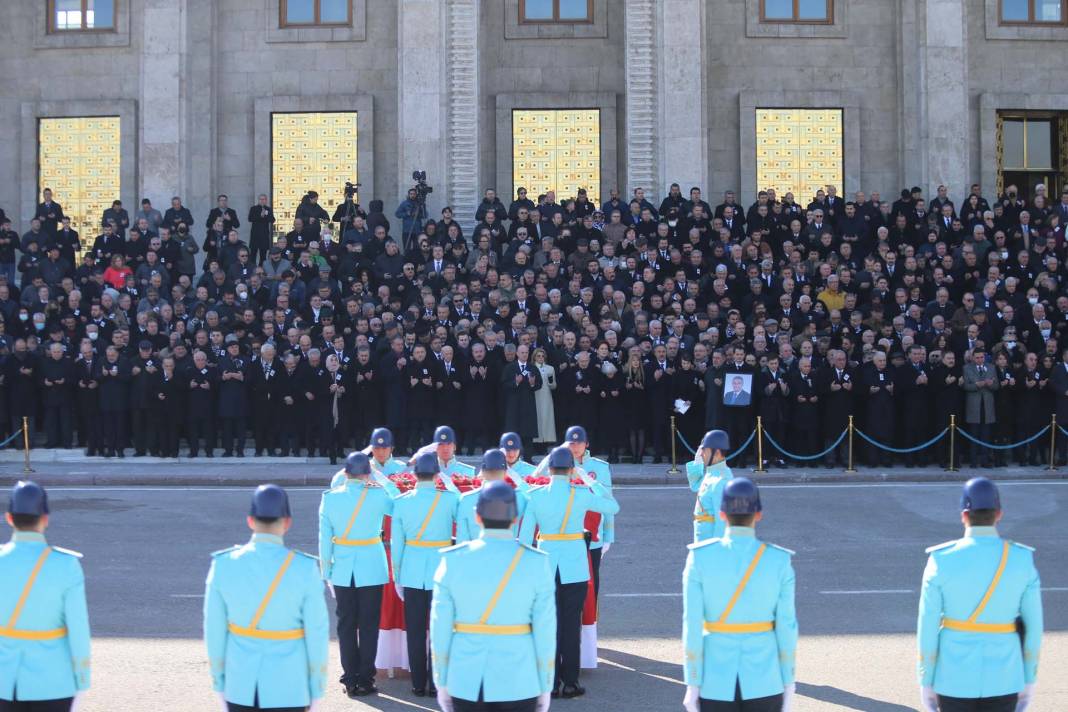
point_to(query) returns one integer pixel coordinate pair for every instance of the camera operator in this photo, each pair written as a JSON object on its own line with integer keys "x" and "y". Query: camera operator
{"x": 411, "y": 214}
{"x": 312, "y": 215}
{"x": 349, "y": 207}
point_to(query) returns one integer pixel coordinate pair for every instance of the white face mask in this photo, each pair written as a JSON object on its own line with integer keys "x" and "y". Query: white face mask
{"x": 1010, "y": 344}
{"x": 1045, "y": 333}
{"x": 1032, "y": 300}
{"x": 93, "y": 335}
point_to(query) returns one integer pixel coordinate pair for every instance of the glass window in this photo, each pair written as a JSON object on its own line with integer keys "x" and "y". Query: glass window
{"x": 1012, "y": 141}
{"x": 1026, "y": 144}
{"x": 315, "y": 12}
{"x": 1033, "y": 12}
{"x": 78, "y": 158}
{"x": 74, "y": 15}
{"x": 1039, "y": 148}
{"x": 799, "y": 151}
{"x": 311, "y": 151}
{"x": 558, "y": 150}
{"x": 797, "y": 10}
{"x": 556, "y": 10}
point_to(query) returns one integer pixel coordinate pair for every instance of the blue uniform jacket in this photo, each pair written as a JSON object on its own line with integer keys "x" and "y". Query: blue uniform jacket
{"x": 392, "y": 466}
{"x": 547, "y": 510}
{"x": 502, "y": 667}
{"x": 599, "y": 469}
{"x": 761, "y": 663}
{"x": 43, "y": 669}
{"x": 360, "y": 562}
{"x": 708, "y": 483}
{"x": 414, "y": 564}
{"x": 467, "y": 526}
{"x": 283, "y": 673}
{"x": 960, "y": 663}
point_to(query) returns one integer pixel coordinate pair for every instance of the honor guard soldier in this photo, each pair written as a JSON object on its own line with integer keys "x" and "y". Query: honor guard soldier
{"x": 265, "y": 620}
{"x": 493, "y": 622}
{"x": 708, "y": 475}
{"x": 353, "y": 561}
{"x": 448, "y": 465}
{"x": 494, "y": 469}
{"x": 558, "y": 510}
{"x": 423, "y": 520}
{"x": 518, "y": 468}
{"x": 739, "y": 628}
{"x": 578, "y": 442}
{"x": 980, "y": 618}
{"x": 44, "y": 622}
{"x": 382, "y": 461}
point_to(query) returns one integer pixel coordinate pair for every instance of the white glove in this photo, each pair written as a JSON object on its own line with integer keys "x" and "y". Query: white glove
{"x": 330, "y": 588}
{"x": 1023, "y": 700}
{"x": 788, "y": 697}
{"x": 222, "y": 702}
{"x": 444, "y": 700}
{"x": 691, "y": 702}
{"x": 542, "y": 704}
{"x": 586, "y": 479}
{"x": 604, "y": 549}
{"x": 400, "y": 592}
{"x": 928, "y": 700}
{"x": 76, "y": 704}
{"x": 316, "y": 705}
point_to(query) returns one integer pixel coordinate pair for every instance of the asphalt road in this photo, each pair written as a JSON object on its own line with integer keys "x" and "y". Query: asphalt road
{"x": 860, "y": 555}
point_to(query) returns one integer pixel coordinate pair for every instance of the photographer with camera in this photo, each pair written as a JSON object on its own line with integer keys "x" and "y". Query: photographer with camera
{"x": 313, "y": 216}
{"x": 412, "y": 210}
{"x": 349, "y": 207}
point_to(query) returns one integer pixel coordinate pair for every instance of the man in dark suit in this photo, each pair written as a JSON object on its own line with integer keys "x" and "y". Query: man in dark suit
{"x": 264, "y": 383}
{"x": 737, "y": 395}
{"x": 1058, "y": 383}
{"x": 50, "y": 213}
{"x": 519, "y": 380}
{"x": 261, "y": 218}
{"x": 913, "y": 380}
{"x": 738, "y": 409}
{"x": 224, "y": 211}
{"x": 878, "y": 382}
{"x": 658, "y": 375}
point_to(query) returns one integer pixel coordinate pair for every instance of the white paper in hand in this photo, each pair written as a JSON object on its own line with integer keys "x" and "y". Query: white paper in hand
{"x": 681, "y": 406}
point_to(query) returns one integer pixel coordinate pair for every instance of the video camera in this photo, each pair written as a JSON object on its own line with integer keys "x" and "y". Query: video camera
{"x": 350, "y": 189}
{"x": 421, "y": 188}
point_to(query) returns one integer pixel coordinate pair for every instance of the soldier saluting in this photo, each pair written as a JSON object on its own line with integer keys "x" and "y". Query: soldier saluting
{"x": 708, "y": 474}
{"x": 976, "y": 590}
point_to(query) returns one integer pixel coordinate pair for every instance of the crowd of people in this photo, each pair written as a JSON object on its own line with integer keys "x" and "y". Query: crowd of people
{"x": 615, "y": 316}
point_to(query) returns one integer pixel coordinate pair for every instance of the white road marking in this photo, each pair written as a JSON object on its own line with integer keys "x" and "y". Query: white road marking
{"x": 1056, "y": 589}
{"x": 187, "y": 595}
{"x": 642, "y": 595}
{"x": 862, "y": 592}
{"x": 640, "y": 672}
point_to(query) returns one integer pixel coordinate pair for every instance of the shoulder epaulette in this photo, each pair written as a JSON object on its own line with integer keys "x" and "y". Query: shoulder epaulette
{"x": 791, "y": 552}
{"x": 68, "y": 552}
{"x": 943, "y": 545}
{"x": 599, "y": 460}
{"x": 704, "y": 542}
{"x": 535, "y": 550}
{"x": 1022, "y": 546}
{"x": 306, "y": 554}
{"x": 468, "y": 493}
{"x": 227, "y": 550}
{"x": 455, "y": 547}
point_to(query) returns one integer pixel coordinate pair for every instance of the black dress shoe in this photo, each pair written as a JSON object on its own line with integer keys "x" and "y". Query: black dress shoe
{"x": 555, "y": 691}
{"x": 432, "y": 691}
{"x": 120, "y": 454}
{"x": 227, "y": 453}
{"x": 570, "y": 691}
{"x": 365, "y": 689}
{"x": 419, "y": 691}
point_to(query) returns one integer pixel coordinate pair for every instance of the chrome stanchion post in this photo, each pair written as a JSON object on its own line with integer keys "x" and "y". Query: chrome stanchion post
{"x": 851, "y": 468}
{"x": 26, "y": 444}
{"x": 674, "y": 457}
{"x": 760, "y": 445}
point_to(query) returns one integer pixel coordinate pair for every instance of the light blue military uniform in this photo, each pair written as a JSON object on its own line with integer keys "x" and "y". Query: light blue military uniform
{"x": 351, "y": 551}
{"x": 415, "y": 548}
{"x": 972, "y": 663}
{"x": 558, "y": 510}
{"x": 467, "y": 526}
{"x": 501, "y": 664}
{"x": 761, "y": 663}
{"x": 282, "y": 658}
{"x": 521, "y": 469}
{"x": 392, "y": 466}
{"x": 708, "y": 483}
{"x": 600, "y": 470}
{"x": 44, "y": 653}
{"x": 453, "y": 468}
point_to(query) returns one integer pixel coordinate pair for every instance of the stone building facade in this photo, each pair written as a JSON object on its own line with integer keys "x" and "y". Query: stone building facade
{"x": 923, "y": 88}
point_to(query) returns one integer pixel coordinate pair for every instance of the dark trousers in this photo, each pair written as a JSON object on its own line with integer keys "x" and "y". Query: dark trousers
{"x": 480, "y": 706}
{"x": 358, "y": 611}
{"x": 143, "y": 440}
{"x": 242, "y": 708}
{"x": 660, "y": 426}
{"x": 265, "y": 428}
{"x": 58, "y": 425}
{"x": 595, "y": 563}
{"x": 757, "y": 704}
{"x": 915, "y": 433}
{"x": 164, "y": 432}
{"x": 62, "y": 705}
{"x": 981, "y": 431}
{"x": 197, "y": 428}
{"x": 89, "y": 427}
{"x": 570, "y": 598}
{"x": 233, "y": 429}
{"x": 416, "y": 618}
{"x": 1004, "y": 703}
{"x": 739, "y": 426}
{"x": 114, "y": 427}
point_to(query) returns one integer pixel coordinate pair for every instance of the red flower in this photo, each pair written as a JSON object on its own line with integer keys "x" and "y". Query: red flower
{"x": 405, "y": 481}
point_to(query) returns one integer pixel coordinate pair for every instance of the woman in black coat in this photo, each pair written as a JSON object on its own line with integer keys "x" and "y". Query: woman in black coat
{"x": 635, "y": 402}
{"x": 688, "y": 385}
{"x": 611, "y": 423}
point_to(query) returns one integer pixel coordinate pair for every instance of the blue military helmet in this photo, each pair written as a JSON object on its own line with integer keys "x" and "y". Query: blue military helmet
{"x": 269, "y": 502}
{"x": 28, "y": 497}
{"x": 426, "y": 464}
{"x": 716, "y": 440}
{"x": 357, "y": 463}
{"x": 382, "y": 437}
{"x": 561, "y": 458}
{"x": 496, "y": 502}
{"x": 511, "y": 441}
{"x": 494, "y": 461}
{"x": 741, "y": 496}
{"x": 576, "y": 434}
{"x": 979, "y": 493}
{"x": 444, "y": 435}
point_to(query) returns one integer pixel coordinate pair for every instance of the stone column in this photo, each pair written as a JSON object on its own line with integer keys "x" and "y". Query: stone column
{"x": 462, "y": 110}
{"x": 682, "y": 99}
{"x": 421, "y": 98}
{"x": 643, "y": 160}
{"x": 944, "y": 114}
{"x": 161, "y": 98}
